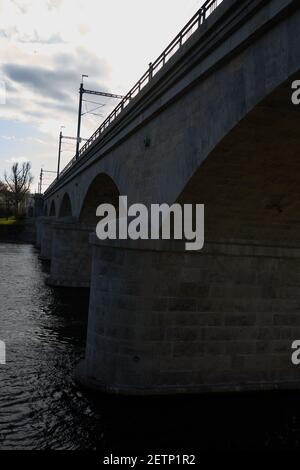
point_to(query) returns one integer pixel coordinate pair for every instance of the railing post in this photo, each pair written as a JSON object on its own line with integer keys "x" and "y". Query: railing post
{"x": 150, "y": 71}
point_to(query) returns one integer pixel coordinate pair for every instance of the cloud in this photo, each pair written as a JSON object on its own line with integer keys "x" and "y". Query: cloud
{"x": 43, "y": 92}
{"x": 54, "y": 4}
{"x": 58, "y": 106}
{"x": 44, "y": 81}
{"x": 13, "y": 34}
{"x": 17, "y": 160}
{"x": 28, "y": 139}
{"x": 83, "y": 29}
{"x": 22, "y": 5}
{"x": 36, "y": 39}
{"x": 58, "y": 80}
{"x": 83, "y": 61}
{"x": 5, "y": 34}
{"x": 8, "y": 137}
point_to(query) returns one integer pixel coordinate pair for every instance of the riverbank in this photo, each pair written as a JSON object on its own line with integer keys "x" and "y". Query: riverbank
{"x": 20, "y": 232}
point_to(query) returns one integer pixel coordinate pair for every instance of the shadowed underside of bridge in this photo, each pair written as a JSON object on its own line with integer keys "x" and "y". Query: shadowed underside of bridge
{"x": 102, "y": 191}
{"x": 250, "y": 182}
{"x": 71, "y": 252}
{"x": 224, "y": 134}
{"x": 66, "y": 207}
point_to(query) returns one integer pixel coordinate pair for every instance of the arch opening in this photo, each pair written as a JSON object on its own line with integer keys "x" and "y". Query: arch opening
{"x": 52, "y": 212}
{"x": 102, "y": 190}
{"x": 65, "y": 207}
{"x": 250, "y": 183}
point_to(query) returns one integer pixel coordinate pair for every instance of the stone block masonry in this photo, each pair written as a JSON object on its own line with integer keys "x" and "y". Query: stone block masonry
{"x": 45, "y": 237}
{"x": 71, "y": 254}
{"x": 165, "y": 321}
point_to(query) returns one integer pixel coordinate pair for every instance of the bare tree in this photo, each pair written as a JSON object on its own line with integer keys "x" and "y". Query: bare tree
{"x": 18, "y": 183}
{"x": 5, "y": 199}
{"x": 3, "y": 187}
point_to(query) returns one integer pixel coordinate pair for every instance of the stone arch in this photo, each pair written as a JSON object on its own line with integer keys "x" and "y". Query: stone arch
{"x": 102, "y": 190}
{"x": 52, "y": 212}
{"x": 65, "y": 209}
{"x": 250, "y": 182}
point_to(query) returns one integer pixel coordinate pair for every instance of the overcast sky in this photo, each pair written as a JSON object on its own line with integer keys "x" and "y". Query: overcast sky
{"x": 45, "y": 46}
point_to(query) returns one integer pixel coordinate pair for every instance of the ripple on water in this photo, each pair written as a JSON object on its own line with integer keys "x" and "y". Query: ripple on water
{"x": 44, "y": 332}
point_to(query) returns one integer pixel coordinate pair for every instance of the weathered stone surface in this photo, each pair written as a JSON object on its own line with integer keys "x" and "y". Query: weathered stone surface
{"x": 46, "y": 237}
{"x": 159, "y": 342}
{"x": 71, "y": 254}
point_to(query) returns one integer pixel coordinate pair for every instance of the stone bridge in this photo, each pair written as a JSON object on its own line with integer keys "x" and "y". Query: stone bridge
{"x": 211, "y": 122}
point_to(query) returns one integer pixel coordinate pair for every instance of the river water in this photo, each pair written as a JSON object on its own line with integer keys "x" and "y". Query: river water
{"x": 41, "y": 407}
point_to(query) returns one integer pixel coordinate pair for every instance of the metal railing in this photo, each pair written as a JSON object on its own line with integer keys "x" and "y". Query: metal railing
{"x": 195, "y": 22}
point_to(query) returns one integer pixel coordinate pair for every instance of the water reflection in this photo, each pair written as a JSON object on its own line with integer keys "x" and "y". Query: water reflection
{"x": 44, "y": 330}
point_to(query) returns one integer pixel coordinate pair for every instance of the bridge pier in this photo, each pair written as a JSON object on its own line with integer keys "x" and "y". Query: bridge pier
{"x": 38, "y": 225}
{"x": 71, "y": 254}
{"x": 46, "y": 227}
{"x": 162, "y": 320}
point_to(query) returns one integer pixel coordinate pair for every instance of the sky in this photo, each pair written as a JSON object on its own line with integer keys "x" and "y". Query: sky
{"x": 45, "y": 47}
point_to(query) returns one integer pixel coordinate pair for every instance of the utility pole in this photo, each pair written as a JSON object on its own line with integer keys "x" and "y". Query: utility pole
{"x": 40, "y": 186}
{"x": 82, "y": 91}
{"x": 61, "y": 137}
{"x": 59, "y": 153}
{"x": 41, "y": 181}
